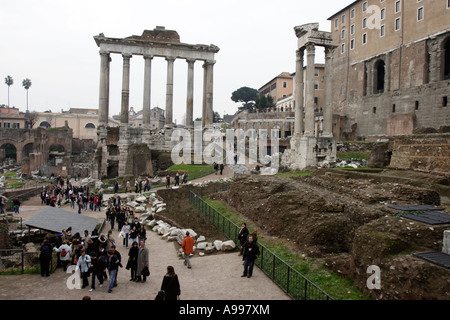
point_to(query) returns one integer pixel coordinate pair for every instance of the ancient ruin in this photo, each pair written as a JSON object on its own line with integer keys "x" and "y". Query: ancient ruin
{"x": 308, "y": 146}
{"x": 115, "y": 153}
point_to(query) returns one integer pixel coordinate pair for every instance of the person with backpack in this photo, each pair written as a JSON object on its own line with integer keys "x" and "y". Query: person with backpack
{"x": 65, "y": 254}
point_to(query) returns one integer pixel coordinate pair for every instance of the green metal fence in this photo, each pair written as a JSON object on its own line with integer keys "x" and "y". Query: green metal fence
{"x": 297, "y": 286}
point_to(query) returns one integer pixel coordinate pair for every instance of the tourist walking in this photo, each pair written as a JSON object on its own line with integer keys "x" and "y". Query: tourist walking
{"x": 112, "y": 266}
{"x": 16, "y": 205}
{"x": 188, "y": 247}
{"x": 45, "y": 257}
{"x": 83, "y": 264}
{"x": 65, "y": 254}
{"x": 97, "y": 266}
{"x": 133, "y": 234}
{"x": 126, "y": 233}
{"x": 251, "y": 250}
{"x": 142, "y": 233}
{"x": 142, "y": 263}
{"x": 177, "y": 179}
{"x": 170, "y": 284}
{"x": 168, "y": 181}
{"x": 132, "y": 261}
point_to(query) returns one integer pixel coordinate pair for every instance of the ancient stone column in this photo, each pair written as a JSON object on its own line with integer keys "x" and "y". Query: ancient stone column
{"x": 328, "y": 112}
{"x": 309, "y": 91}
{"x": 125, "y": 89}
{"x": 298, "y": 124}
{"x": 169, "y": 93}
{"x": 190, "y": 95}
{"x": 147, "y": 90}
{"x": 207, "y": 117}
{"x": 103, "y": 105}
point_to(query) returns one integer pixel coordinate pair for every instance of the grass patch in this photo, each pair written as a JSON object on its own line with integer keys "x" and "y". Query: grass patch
{"x": 332, "y": 283}
{"x": 193, "y": 171}
{"x": 354, "y": 155}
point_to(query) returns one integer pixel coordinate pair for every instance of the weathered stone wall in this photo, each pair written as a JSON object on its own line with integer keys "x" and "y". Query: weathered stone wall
{"x": 426, "y": 153}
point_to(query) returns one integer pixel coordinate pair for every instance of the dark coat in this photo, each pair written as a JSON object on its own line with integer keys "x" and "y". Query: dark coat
{"x": 251, "y": 250}
{"x": 171, "y": 286}
{"x": 243, "y": 234}
{"x": 132, "y": 258}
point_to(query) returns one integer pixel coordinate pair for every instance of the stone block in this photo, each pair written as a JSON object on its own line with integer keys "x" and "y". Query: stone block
{"x": 446, "y": 242}
{"x": 228, "y": 245}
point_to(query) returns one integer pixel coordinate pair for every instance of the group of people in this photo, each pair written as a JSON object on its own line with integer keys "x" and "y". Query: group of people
{"x": 183, "y": 177}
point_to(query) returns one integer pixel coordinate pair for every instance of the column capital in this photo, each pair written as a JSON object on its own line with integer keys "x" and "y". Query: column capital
{"x": 127, "y": 56}
{"x": 147, "y": 56}
{"x": 103, "y": 52}
{"x": 209, "y": 62}
{"x": 329, "y": 52}
{"x": 310, "y": 48}
{"x": 188, "y": 60}
{"x": 170, "y": 59}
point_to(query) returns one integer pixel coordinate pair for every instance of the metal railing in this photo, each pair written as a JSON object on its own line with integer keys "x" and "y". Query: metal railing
{"x": 27, "y": 259}
{"x": 292, "y": 282}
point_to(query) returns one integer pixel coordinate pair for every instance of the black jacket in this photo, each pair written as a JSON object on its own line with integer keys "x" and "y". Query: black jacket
{"x": 251, "y": 250}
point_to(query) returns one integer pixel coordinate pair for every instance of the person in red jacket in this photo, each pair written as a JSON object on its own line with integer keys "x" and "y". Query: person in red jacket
{"x": 188, "y": 248}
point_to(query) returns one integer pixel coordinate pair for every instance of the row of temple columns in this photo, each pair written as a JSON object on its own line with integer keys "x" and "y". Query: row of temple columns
{"x": 207, "y": 107}
{"x": 305, "y": 124}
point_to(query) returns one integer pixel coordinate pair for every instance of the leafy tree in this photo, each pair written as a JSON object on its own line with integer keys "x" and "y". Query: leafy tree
{"x": 264, "y": 102}
{"x": 9, "y": 82}
{"x": 26, "y": 84}
{"x": 245, "y": 95}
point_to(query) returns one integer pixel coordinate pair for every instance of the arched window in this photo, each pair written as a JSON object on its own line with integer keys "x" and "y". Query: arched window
{"x": 446, "y": 54}
{"x": 379, "y": 75}
{"x": 89, "y": 126}
{"x": 45, "y": 124}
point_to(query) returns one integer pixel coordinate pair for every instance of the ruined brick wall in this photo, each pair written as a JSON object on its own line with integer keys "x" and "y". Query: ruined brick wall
{"x": 425, "y": 153}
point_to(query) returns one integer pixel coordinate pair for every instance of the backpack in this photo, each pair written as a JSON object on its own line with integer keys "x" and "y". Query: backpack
{"x": 63, "y": 253}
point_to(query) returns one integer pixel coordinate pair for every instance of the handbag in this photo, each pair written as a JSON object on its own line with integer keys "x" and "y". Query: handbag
{"x": 145, "y": 272}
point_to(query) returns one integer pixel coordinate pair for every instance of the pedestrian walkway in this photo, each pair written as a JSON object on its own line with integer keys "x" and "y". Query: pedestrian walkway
{"x": 212, "y": 277}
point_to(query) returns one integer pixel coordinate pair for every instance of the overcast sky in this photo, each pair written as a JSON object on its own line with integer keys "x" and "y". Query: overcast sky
{"x": 51, "y": 42}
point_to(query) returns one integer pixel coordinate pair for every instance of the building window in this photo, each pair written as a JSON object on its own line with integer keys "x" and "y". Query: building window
{"x": 364, "y": 23}
{"x": 420, "y": 14}
{"x": 353, "y": 12}
{"x": 397, "y": 24}
{"x": 336, "y": 23}
{"x": 448, "y": 4}
{"x": 383, "y": 31}
{"x": 444, "y": 101}
{"x": 284, "y": 84}
{"x": 89, "y": 126}
{"x": 316, "y": 85}
{"x": 393, "y": 108}
{"x": 352, "y": 44}
{"x": 352, "y": 29}
{"x": 344, "y": 17}
{"x": 398, "y": 6}
{"x": 364, "y": 38}
{"x": 417, "y": 105}
{"x": 379, "y": 75}
{"x": 6, "y": 125}
{"x": 383, "y": 13}
{"x": 316, "y": 101}
{"x": 374, "y": 110}
{"x": 446, "y": 54}
{"x": 316, "y": 73}
{"x": 364, "y": 8}
{"x": 343, "y": 34}
{"x": 343, "y": 48}
{"x": 16, "y": 125}
{"x": 45, "y": 124}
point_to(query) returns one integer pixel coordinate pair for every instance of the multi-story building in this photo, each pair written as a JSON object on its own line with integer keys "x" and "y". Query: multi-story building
{"x": 12, "y": 118}
{"x": 136, "y": 119}
{"x": 391, "y": 68}
{"x": 83, "y": 122}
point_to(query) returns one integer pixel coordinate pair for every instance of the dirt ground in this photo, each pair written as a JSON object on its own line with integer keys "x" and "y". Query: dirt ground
{"x": 214, "y": 277}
